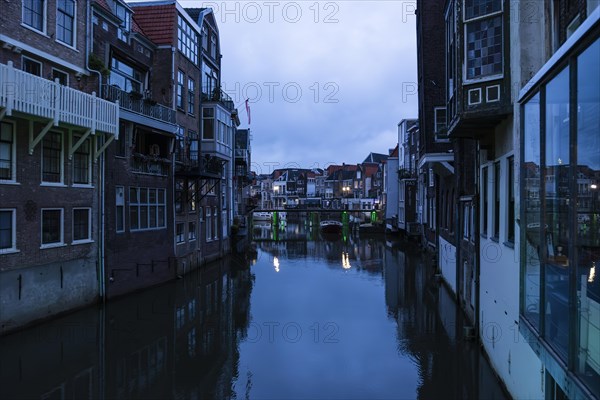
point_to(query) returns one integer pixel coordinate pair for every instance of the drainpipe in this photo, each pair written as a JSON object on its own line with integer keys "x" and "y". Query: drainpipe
{"x": 88, "y": 50}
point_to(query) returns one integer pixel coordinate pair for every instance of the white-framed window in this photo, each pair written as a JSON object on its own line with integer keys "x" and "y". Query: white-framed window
{"x": 213, "y": 45}
{"x": 180, "y": 232}
{"x": 484, "y": 55}
{"x": 147, "y": 208}
{"x": 82, "y": 163}
{"x": 8, "y": 230}
{"x": 205, "y": 38}
{"x": 120, "y": 208}
{"x": 208, "y": 123}
{"x": 34, "y": 14}
{"x": 52, "y": 158}
{"x": 82, "y": 225}
{"x": 439, "y": 114}
{"x": 191, "y": 231}
{"x": 209, "y": 229}
{"x": 191, "y": 96}
{"x": 215, "y": 223}
{"x": 180, "y": 88}
{"x": 8, "y": 152}
{"x": 31, "y": 66}
{"x": 65, "y": 21}
{"x": 125, "y": 16}
{"x": 126, "y": 76}
{"x": 52, "y": 227}
{"x": 62, "y": 76}
{"x": 187, "y": 39}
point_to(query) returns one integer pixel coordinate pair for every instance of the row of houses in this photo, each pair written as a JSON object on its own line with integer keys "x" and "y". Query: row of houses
{"x": 122, "y": 164}
{"x": 336, "y": 184}
{"x": 499, "y": 176}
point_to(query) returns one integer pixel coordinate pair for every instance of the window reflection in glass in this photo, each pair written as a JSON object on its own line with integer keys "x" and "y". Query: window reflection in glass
{"x": 531, "y": 207}
{"x": 588, "y": 215}
{"x": 557, "y": 197}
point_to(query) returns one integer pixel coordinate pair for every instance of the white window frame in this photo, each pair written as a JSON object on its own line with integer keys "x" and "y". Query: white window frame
{"x": 44, "y": 18}
{"x": 180, "y": 237}
{"x": 119, "y": 202}
{"x": 61, "y": 182}
{"x": 13, "y": 150}
{"x": 74, "y": 26}
{"x": 192, "y": 232}
{"x": 62, "y": 229}
{"x": 89, "y": 163}
{"x": 62, "y": 72}
{"x": 89, "y": 235}
{"x": 160, "y": 203}
{"x": 13, "y": 248}
{"x": 208, "y": 224}
{"x": 216, "y": 224}
{"x": 23, "y": 58}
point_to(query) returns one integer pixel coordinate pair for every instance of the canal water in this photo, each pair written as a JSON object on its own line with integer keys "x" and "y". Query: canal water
{"x": 297, "y": 316}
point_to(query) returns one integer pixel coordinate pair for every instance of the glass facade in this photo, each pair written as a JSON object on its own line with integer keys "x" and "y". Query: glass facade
{"x": 561, "y": 233}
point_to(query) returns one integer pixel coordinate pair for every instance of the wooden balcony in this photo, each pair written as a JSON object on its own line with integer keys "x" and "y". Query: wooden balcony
{"x": 35, "y": 96}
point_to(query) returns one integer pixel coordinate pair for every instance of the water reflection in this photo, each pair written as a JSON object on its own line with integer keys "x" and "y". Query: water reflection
{"x": 354, "y": 317}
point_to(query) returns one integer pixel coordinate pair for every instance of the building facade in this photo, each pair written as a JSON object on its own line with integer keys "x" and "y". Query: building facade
{"x": 54, "y": 131}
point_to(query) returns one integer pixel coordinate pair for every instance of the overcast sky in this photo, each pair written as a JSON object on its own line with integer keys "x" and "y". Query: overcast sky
{"x": 328, "y": 82}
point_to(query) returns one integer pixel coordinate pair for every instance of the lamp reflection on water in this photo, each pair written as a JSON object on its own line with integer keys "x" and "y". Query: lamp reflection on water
{"x": 592, "y": 273}
{"x": 346, "y": 260}
{"x": 276, "y": 264}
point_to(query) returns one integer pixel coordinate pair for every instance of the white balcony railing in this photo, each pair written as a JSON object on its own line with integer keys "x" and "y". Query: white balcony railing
{"x": 33, "y": 95}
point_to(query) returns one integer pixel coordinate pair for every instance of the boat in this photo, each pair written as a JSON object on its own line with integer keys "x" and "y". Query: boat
{"x": 330, "y": 226}
{"x": 261, "y": 216}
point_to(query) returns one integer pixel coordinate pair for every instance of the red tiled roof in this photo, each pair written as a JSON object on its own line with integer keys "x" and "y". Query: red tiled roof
{"x": 156, "y": 22}
{"x": 370, "y": 169}
{"x": 394, "y": 153}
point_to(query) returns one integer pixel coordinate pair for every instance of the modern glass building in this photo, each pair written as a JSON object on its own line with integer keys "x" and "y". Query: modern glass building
{"x": 560, "y": 215}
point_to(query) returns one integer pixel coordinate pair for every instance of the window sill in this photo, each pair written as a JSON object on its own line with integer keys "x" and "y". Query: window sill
{"x": 9, "y": 251}
{"x": 52, "y": 245}
{"x": 147, "y": 229}
{"x": 50, "y": 184}
{"x": 66, "y": 45}
{"x": 178, "y": 243}
{"x": 31, "y": 28}
{"x": 84, "y": 241}
{"x": 192, "y": 240}
{"x": 82, "y": 186}
{"x": 495, "y": 239}
{"x": 510, "y": 245}
{"x": 15, "y": 183}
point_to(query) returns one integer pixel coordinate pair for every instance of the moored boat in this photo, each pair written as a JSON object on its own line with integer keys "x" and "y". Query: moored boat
{"x": 330, "y": 226}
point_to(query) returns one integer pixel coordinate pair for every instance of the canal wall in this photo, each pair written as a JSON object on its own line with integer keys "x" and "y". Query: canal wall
{"x": 33, "y": 293}
{"x": 447, "y": 263}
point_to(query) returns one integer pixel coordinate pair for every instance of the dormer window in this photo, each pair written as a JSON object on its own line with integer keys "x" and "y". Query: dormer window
{"x": 124, "y": 15}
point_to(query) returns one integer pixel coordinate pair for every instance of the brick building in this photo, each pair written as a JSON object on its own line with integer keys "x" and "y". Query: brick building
{"x": 138, "y": 197}
{"x": 52, "y": 143}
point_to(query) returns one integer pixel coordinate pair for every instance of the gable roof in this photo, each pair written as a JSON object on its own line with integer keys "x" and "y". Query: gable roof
{"x": 375, "y": 158}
